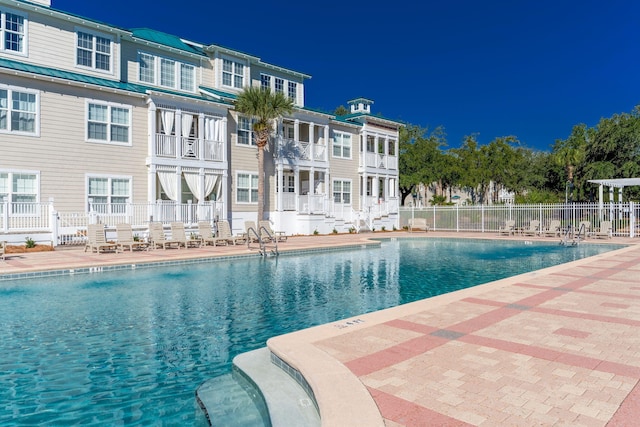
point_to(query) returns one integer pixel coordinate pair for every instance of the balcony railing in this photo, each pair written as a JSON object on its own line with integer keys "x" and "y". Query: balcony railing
{"x": 380, "y": 161}
{"x": 188, "y": 148}
{"x": 302, "y": 150}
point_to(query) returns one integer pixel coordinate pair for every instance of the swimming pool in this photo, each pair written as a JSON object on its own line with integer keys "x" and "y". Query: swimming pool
{"x": 131, "y": 347}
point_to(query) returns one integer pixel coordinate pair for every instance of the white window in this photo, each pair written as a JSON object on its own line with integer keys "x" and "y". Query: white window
{"x": 19, "y": 110}
{"x": 341, "y": 145}
{"x": 187, "y": 77}
{"x": 232, "y": 74}
{"x": 167, "y": 72}
{"x": 247, "y": 188}
{"x": 279, "y": 85}
{"x": 19, "y": 188}
{"x": 93, "y": 51}
{"x": 391, "y": 150}
{"x": 13, "y": 32}
{"x": 245, "y": 133}
{"x": 147, "y": 64}
{"x": 293, "y": 91}
{"x": 107, "y": 194}
{"x": 265, "y": 81}
{"x": 342, "y": 191}
{"x": 108, "y": 123}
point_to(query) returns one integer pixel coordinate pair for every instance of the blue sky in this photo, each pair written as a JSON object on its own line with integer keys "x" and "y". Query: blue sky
{"x": 532, "y": 69}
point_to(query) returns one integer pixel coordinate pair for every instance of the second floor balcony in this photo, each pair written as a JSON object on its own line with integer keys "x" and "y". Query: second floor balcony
{"x": 301, "y": 151}
{"x": 188, "y": 148}
{"x": 379, "y": 161}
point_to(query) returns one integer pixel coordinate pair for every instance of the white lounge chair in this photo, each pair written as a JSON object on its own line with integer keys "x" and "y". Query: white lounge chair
{"x": 533, "y": 230}
{"x": 157, "y": 238}
{"x": 97, "y": 239}
{"x": 279, "y": 235}
{"x": 125, "y": 239}
{"x": 206, "y": 235}
{"x": 605, "y": 232}
{"x": 179, "y": 236}
{"x": 251, "y": 231}
{"x": 553, "y": 229}
{"x": 585, "y": 227}
{"x": 508, "y": 228}
{"x": 224, "y": 232}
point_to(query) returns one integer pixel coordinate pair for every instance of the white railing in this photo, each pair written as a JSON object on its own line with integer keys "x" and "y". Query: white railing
{"x": 301, "y": 150}
{"x": 18, "y": 217}
{"x": 190, "y": 148}
{"x": 623, "y": 216}
{"x": 312, "y": 204}
{"x": 380, "y": 161}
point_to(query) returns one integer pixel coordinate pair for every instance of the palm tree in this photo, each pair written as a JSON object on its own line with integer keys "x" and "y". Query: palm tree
{"x": 264, "y": 107}
{"x": 571, "y": 152}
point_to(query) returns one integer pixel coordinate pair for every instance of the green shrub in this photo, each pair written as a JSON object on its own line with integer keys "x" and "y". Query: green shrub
{"x": 30, "y": 243}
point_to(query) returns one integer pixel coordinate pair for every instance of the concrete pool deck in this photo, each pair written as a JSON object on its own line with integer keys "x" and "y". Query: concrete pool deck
{"x": 559, "y": 346}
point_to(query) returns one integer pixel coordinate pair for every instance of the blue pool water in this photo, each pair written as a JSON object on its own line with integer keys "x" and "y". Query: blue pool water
{"x": 130, "y": 347}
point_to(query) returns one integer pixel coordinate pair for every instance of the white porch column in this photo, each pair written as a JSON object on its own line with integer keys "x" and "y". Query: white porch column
{"x": 201, "y": 140}
{"x": 296, "y": 130}
{"x": 178, "y": 125}
{"x": 312, "y": 185}
{"x": 226, "y": 196}
{"x": 151, "y": 190}
{"x": 224, "y": 138}
{"x": 363, "y": 191}
{"x": 312, "y": 143}
{"x": 200, "y": 196}
{"x": 327, "y": 143}
{"x": 152, "y": 129}
{"x": 296, "y": 180}
{"x": 280, "y": 187}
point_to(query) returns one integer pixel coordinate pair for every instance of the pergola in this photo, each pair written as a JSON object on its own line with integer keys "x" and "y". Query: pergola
{"x": 619, "y": 183}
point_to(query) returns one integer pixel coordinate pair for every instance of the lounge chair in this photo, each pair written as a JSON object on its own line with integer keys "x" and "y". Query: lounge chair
{"x": 97, "y": 240}
{"x": 251, "y": 231}
{"x": 533, "y": 230}
{"x": 206, "y": 235}
{"x": 157, "y": 238}
{"x": 278, "y": 235}
{"x": 605, "y": 232}
{"x": 553, "y": 229}
{"x": 224, "y": 232}
{"x": 179, "y": 236}
{"x": 417, "y": 224}
{"x": 124, "y": 238}
{"x": 509, "y": 228}
{"x": 3, "y": 249}
{"x": 587, "y": 228}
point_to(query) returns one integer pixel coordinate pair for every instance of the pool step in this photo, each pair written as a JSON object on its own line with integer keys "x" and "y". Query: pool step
{"x": 287, "y": 402}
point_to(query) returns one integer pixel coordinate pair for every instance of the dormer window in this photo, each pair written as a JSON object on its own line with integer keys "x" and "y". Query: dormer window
{"x": 279, "y": 85}
{"x": 166, "y": 72}
{"x": 293, "y": 91}
{"x": 93, "y": 51}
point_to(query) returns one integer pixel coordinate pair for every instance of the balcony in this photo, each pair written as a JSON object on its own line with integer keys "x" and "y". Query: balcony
{"x": 188, "y": 148}
{"x": 379, "y": 161}
{"x": 301, "y": 150}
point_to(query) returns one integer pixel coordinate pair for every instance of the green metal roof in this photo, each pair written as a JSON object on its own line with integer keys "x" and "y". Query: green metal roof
{"x": 69, "y": 75}
{"x": 9, "y": 64}
{"x": 216, "y": 92}
{"x": 165, "y": 39}
{"x": 354, "y": 116}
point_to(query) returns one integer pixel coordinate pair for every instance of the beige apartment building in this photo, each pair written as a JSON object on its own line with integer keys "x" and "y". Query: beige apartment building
{"x": 100, "y": 123}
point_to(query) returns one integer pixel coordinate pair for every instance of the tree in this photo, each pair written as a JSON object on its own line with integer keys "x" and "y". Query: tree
{"x": 420, "y": 157}
{"x": 341, "y": 111}
{"x": 264, "y": 107}
{"x": 570, "y": 152}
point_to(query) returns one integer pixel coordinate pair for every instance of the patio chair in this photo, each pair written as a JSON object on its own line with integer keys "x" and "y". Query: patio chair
{"x": 251, "y": 231}
{"x": 157, "y": 238}
{"x": 509, "y": 228}
{"x": 605, "y": 232}
{"x": 533, "y": 230}
{"x": 3, "y": 249}
{"x": 124, "y": 238}
{"x": 179, "y": 236}
{"x": 553, "y": 229}
{"x": 278, "y": 235}
{"x": 97, "y": 240}
{"x": 587, "y": 228}
{"x": 224, "y": 232}
{"x": 206, "y": 235}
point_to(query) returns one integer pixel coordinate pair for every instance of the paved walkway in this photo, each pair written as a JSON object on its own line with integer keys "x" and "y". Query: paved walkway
{"x": 559, "y": 346}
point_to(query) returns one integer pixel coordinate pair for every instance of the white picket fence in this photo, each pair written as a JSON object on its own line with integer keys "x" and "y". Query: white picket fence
{"x": 44, "y": 223}
{"x": 488, "y": 219}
